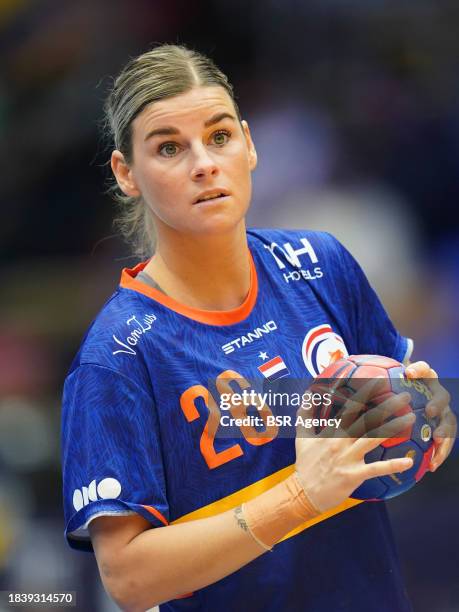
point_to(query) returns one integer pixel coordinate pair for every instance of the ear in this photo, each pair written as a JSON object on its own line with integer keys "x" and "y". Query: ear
{"x": 123, "y": 174}
{"x": 250, "y": 146}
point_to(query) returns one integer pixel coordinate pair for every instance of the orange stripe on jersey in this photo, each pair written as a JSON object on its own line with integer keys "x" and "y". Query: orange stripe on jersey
{"x": 211, "y": 317}
{"x": 248, "y": 493}
{"x": 156, "y": 513}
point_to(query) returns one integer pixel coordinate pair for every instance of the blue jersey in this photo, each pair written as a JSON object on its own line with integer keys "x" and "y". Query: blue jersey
{"x": 141, "y": 422}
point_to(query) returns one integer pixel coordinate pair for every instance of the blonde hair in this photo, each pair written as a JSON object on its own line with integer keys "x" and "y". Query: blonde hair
{"x": 162, "y": 72}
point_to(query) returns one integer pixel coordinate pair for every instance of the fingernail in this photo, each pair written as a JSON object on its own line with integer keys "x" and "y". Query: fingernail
{"x": 405, "y": 396}
{"x": 431, "y": 410}
{"x": 410, "y": 371}
{"x": 407, "y": 461}
{"x": 440, "y": 433}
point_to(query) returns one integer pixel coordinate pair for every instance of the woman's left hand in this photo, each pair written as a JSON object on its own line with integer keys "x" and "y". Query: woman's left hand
{"x": 445, "y": 433}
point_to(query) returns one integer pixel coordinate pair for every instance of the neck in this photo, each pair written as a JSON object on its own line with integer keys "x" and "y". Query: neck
{"x": 209, "y": 273}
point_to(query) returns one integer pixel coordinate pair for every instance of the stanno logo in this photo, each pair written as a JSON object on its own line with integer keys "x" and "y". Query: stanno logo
{"x": 139, "y": 328}
{"x": 257, "y": 333}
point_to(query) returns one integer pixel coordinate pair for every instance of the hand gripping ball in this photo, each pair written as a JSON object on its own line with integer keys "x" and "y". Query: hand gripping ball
{"x": 346, "y": 376}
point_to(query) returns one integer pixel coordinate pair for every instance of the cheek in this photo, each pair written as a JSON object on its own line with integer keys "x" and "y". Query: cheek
{"x": 238, "y": 165}
{"x": 244, "y": 175}
{"x": 160, "y": 184}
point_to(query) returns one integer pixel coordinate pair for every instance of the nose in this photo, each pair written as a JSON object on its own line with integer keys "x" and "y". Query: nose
{"x": 204, "y": 165}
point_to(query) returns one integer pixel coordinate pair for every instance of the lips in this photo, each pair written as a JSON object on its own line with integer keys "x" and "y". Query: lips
{"x": 211, "y": 194}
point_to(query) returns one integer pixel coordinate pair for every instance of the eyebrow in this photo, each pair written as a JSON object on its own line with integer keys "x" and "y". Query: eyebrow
{"x": 169, "y": 131}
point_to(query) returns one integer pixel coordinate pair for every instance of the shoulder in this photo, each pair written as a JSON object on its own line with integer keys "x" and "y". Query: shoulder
{"x": 113, "y": 339}
{"x": 109, "y": 369}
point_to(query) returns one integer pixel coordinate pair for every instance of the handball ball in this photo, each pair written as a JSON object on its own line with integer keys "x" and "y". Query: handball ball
{"x": 348, "y": 375}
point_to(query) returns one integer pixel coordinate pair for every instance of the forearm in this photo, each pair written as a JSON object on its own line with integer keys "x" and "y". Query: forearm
{"x": 167, "y": 562}
{"x": 164, "y": 563}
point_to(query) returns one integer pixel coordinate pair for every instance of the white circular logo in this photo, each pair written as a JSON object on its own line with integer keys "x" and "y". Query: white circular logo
{"x": 108, "y": 488}
{"x": 78, "y": 499}
{"x": 322, "y": 347}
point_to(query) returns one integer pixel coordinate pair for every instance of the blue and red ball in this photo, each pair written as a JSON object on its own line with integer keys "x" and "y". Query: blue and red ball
{"x": 345, "y": 377}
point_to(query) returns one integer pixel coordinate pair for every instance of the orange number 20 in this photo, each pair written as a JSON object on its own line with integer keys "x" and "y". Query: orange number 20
{"x": 213, "y": 458}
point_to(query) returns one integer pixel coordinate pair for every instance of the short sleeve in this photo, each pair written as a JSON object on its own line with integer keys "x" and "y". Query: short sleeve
{"x": 374, "y": 331}
{"x": 111, "y": 452}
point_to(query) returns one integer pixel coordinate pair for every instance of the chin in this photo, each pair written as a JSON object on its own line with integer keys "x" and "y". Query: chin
{"x": 218, "y": 225}
{"x": 218, "y": 220}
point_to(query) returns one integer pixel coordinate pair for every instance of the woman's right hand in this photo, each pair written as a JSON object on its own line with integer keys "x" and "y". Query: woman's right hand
{"x": 330, "y": 465}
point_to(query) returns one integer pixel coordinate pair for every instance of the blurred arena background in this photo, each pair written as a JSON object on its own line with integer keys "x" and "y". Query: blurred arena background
{"x": 354, "y": 109}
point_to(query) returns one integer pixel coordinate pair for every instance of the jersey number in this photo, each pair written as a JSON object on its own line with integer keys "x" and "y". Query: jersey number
{"x": 213, "y": 457}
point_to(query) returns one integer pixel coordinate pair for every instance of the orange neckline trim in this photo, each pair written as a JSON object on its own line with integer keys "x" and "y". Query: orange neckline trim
{"x": 210, "y": 317}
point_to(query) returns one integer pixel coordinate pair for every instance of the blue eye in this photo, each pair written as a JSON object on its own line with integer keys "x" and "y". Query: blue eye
{"x": 221, "y": 137}
{"x": 168, "y": 149}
